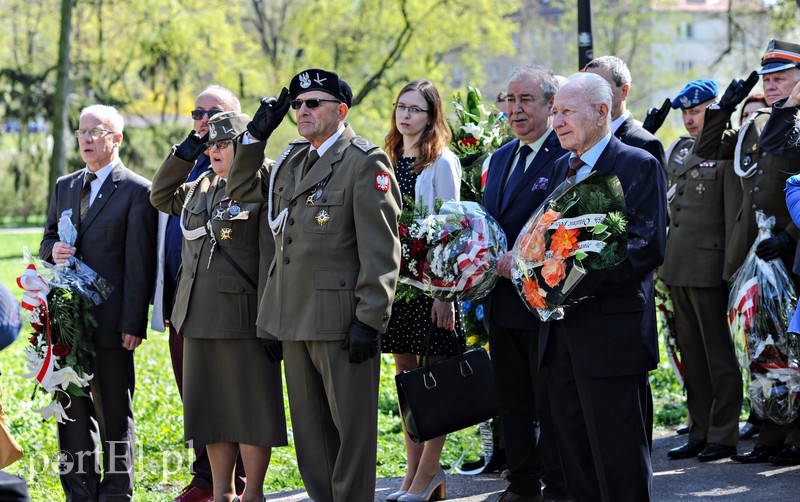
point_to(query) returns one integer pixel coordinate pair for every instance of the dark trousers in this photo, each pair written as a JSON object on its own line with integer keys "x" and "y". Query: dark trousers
{"x": 103, "y": 422}
{"x": 601, "y": 428}
{"x": 201, "y": 467}
{"x": 531, "y": 454}
{"x": 711, "y": 371}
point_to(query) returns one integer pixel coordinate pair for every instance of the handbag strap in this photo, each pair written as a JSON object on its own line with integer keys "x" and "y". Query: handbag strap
{"x": 458, "y": 352}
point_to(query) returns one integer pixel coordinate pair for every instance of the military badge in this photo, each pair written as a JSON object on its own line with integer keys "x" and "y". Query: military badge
{"x": 382, "y": 181}
{"x": 747, "y": 160}
{"x": 219, "y": 213}
{"x": 212, "y": 131}
{"x": 707, "y": 163}
{"x": 234, "y": 210}
{"x": 226, "y": 234}
{"x": 694, "y": 173}
{"x": 700, "y": 189}
{"x": 305, "y": 81}
{"x": 322, "y": 217}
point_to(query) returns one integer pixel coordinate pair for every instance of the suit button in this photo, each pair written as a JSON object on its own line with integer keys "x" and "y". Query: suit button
{"x": 763, "y": 154}
{"x": 280, "y": 189}
{"x": 680, "y": 193}
{"x": 286, "y": 260}
{"x": 678, "y": 208}
{"x": 756, "y": 189}
{"x": 677, "y": 225}
{"x": 288, "y": 240}
{"x": 291, "y": 221}
{"x": 324, "y": 199}
{"x": 294, "y": 203}
{"x": 192, "y": 275}
{"x": 195, "y": 255}
{"x": 342, "y": 284}
{"x": 754, "y": 207}
{"x": 241, "y": 290}
{"x": 760, "y": 171}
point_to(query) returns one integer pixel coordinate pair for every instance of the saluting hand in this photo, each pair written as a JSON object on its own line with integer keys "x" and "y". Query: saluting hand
{"x": 269, "y": 116}
{"x": 191, "y": 147}
{"x": 794, "y": 96}
{"x": 656, "y": 116}
{"x": 737, "y": 90}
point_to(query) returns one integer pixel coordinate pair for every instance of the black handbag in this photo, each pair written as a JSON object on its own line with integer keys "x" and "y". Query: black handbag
{"x": 448, "y": 395}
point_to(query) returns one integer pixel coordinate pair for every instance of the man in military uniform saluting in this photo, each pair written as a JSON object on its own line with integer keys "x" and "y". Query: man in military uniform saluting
{"x": 333, "y": 208}
{"x": 703, "y": 196}
{"x": 763, "y": 177}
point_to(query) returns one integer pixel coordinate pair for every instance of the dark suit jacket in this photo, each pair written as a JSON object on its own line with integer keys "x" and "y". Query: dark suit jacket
{"x": 117, "y": 239}
{"x": 504, "y": 305}
{"x": 612, "y": 331}
{"x": 632, "y": 134}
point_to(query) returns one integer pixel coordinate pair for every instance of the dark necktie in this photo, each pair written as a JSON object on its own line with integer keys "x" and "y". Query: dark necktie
{"x": 575, "y": 163}
{"x": 86, "y": 192}
{"x": 312, "y": 158}
{"x": 517, "y": 174}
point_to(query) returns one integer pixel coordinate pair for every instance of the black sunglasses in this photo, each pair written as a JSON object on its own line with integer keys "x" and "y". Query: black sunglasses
{"x": 310, "y": 103}
{"x": 198, "y": 114}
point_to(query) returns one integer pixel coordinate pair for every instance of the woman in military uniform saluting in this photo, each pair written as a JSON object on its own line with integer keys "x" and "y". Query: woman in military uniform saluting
{"x": 216, "y": 304}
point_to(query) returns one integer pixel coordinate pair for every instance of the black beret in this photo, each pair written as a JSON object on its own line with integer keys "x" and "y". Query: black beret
{"x": 315, "y": 79}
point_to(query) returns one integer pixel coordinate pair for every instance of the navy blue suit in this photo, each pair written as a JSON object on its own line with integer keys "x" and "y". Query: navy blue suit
{"x": 514, "y": 332}
{"x": 598, "y": 356}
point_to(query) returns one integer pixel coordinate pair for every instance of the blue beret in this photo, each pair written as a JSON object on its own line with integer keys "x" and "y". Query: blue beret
{"x": 696, "y": 92}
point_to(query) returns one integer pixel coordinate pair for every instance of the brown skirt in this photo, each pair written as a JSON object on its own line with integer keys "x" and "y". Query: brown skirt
{"x": 231, "y": 393}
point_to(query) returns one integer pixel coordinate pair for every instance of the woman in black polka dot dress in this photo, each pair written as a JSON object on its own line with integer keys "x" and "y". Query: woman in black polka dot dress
{"x": 425, "y": 170}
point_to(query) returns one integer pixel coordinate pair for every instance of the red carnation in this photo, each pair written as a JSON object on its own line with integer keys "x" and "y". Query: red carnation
{"x": 60, "y": 350}
{"x": 469, "y": 141}
{"x": 34, "y": 340}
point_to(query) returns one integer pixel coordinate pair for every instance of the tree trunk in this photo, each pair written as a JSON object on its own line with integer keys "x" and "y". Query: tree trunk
{"x": 61, "y": 108}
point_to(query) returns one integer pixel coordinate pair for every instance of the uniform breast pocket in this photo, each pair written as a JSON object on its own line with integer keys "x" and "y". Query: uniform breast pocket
{"x": 326, "y": 215}
{"x": 702, "y": 184}
{"x": 230, "y": 233}
{"x": 335, "y": 300}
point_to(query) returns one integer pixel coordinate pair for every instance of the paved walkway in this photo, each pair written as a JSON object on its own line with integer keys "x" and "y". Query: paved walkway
{"x": 674, "y": 480}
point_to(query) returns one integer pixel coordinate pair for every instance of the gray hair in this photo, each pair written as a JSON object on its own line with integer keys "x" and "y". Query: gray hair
{"x": 619, "y": 70}
{"x": 226, "y": 94}
{"x": 543, "y": 77}
{"x": 594, "y": 88}
{"x": 108, "y": 113}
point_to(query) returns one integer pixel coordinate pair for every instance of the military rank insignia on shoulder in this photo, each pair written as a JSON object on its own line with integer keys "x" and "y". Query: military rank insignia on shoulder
{"x": 363, "y": 144}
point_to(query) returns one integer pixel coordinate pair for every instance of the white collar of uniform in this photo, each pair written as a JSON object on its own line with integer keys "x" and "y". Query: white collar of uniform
{"x": 328, "y": 142}
{"x": 618, "y": 122}
{"x": 102, "y": 173}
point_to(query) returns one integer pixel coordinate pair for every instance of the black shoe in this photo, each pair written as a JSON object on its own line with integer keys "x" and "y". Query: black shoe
{"x": 683, "y": 429}
{"x": 788, "y": 455}
{"x": 691, "y": 449}
{"x": 759, "y": 455}
{"x": 716, "y": 451}
{"x": 749, "y": 430}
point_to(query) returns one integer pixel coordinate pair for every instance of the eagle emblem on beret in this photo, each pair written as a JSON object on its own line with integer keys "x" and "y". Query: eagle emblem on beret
{"x": 305, "y": 80}
{"x": 212, "y": 131}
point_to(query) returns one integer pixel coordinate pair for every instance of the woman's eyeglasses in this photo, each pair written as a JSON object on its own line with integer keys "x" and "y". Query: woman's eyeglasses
{"x": 198, "y": 114}
{"x": 221, "y": 145}
{"x": 310, "y": 103}
{"x": 413, "y": 110}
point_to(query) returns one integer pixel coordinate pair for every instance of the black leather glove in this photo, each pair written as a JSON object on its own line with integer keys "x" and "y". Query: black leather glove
{"x": 192, "y": 147}
{"x": 737, "y": 91}
{"x": 656, "y": 116}
{"x": 273, "y": 349}
{"x": 362, "y": 342}
{"x": 774, "y": 247}
{"x": 269, "y": 116}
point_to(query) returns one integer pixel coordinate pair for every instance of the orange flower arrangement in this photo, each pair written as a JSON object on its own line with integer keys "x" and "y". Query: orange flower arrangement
{"x": 533, "y": 294}
{"x": 564, "y": 241}
{"x": 553, "y": 271}
{"x": 532, "y": 244}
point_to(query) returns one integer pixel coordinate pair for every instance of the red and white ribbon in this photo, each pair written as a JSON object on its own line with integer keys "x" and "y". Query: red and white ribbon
{"x": 36, "y": 290}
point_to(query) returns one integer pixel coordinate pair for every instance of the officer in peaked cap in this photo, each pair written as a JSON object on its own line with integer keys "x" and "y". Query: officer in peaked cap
{"x": 703, "y": 195}
{"x": 334, "y": 204}
{"x": 763, "y": 171}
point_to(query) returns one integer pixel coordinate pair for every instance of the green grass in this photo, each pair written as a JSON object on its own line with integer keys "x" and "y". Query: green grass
{"x": 162, "y": 463}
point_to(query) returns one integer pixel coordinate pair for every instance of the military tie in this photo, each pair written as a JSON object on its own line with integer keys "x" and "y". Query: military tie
{"x": 86, "y": 192}
{"x": 516, "y": 174}
{"x": 312, "y": 158}
{"x": 574, "y": 164}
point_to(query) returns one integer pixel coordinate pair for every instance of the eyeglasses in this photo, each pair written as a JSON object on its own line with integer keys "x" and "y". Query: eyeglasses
{"x": 198, "y": 114}
{"x": 413, "y": 110}
{"x": 310, "y": 103}
{"x": 94, "y": 132}
{"x": 221, "y": 145}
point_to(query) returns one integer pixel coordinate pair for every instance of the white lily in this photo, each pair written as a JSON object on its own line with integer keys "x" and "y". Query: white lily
{"x": 474, "y": 130}
{"x": 54, "y": 409}
{"x": 33, "y": 361}
{"x": 63, "y": 377}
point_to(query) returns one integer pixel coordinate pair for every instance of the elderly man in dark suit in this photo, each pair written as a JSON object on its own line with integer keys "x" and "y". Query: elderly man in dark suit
{"x": 597, "y": 356}
{"x": 116, "y": 237}
{"x": 616, "y": 73}
{"x": 519, "y": 173}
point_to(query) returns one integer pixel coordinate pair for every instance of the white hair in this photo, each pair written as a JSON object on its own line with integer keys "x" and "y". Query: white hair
{"x": 593, "y": 87}
{"x": 108, "y": 113}
{"x": 225, "y": 94}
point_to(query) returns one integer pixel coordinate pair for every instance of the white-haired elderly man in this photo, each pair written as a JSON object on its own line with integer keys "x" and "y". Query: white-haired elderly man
{"x": 596, "y": 357}
{"x": 117, "y": 238}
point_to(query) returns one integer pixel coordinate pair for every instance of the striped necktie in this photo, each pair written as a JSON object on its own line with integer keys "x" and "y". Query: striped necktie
{"x": 86, "y": 192}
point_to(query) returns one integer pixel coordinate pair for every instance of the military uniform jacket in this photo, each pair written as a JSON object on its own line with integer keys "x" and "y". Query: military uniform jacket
{"x": 703, "y": 196}
{"x": 762, "y": 189}
{"x": 337, "y": 257}
{"x": 213, "y": 300}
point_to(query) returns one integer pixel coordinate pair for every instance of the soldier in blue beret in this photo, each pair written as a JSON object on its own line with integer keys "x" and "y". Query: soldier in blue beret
{"x": 703, "y": 198}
